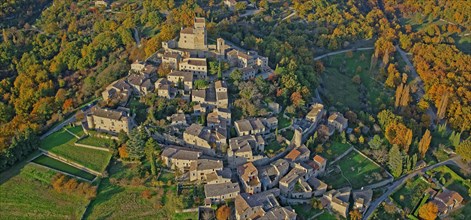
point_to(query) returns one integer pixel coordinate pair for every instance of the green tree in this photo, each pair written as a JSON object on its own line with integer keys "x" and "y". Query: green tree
{"x": 151, "y": 146}
{"x": 201, "y": 84}
{"x": 136, "y": 143}
{"x": 395, "y": 161}
{"x": 376, "y": 142}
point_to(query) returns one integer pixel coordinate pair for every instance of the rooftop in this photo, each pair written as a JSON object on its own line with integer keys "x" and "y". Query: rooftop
{"x": 212, "y": 190}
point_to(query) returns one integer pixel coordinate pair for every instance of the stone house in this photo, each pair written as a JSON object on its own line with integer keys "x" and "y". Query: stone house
{"x": 179, "y": 158}
{"x": 318, "y": 187}
{"x": 241, "y": 149}
{"x": 197, "y": 66}
{"x": 250, "y": 126}
{"x": 165, "y": 89}
{"x": 255, "y": 206}
{"x": 294, "y": 186}
{"x": 271, "y": 123}
{"x": 171, "y": 60}
{"x": 197, "y": 136}
{"x": 271, "y": 174}
{"x": 298, "y": 154}
{"x": 183, "y": 78}
{"x": 337, "y": 200}
{"x": 200, "y": 169}
{"x": 316, "y": 113}
{"x": 141, "y": 84}
{"x": 119, "y": 91}
{"x": 248, "y": 175}
{"x": 177, "y": 119}
{"x": 109, "y": 120}
{"x": 447, "y": 201}
{"x": 221, "y": 192}
{"x": 248, "y": 73}
{"x": 362, "y": 199}
{"x": 337, "y": 121}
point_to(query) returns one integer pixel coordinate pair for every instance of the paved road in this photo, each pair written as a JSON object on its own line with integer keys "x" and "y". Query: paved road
{"x": 136, "y": 37}
{"x": 398, "y": 183}
{"x": 59, "y": 126}
{"x": 420, "y": 92}
{"x": 276, "y": 25}
{"x": 343, "y": 51}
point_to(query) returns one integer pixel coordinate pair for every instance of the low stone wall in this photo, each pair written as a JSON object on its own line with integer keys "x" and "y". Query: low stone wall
{"x": 379, "y": 184}
{"x": 76, "y": 165}
{"x": 289, "y": 201}
{"x": 342, "y": 155}
{"x": 92, "y": 147}
{"x": 65, "y": 173}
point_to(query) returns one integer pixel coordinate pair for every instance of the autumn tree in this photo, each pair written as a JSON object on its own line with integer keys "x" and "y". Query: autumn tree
{"x": 355, "y": 215}
{"x": 123, "y": 152}
{"x": 399, "y": 134}
{"x": 464, "y": 150}
{"x": 428, "y": 211}
{"x": 223, "y": 212}
{"x": 425, "y": 143}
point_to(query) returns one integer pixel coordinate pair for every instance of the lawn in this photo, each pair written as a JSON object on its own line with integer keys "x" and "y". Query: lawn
{"x": 29, "y": 195}
{"x": 341, "y": 92}
{"x": 357, "y": 171}
{"x": 58, "y": 165}
{"x": 274, "y": 147}
{"x": 335, "y": 149}
{"x": 409, "y": 195}
{"x": 77, "y": 130}
{"x": 186, "y": 216}
{"x": 305, "y": 211}
{"x": 451, "y": 180}
{"x": 95, "y": 141}
{"x": 283, "y": 122}
{"x": 62, "y": 144}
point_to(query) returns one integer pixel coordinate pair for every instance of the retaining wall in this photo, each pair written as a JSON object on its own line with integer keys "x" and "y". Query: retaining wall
{"x": 92, "y": 147}
{"x": 76, "y": 165}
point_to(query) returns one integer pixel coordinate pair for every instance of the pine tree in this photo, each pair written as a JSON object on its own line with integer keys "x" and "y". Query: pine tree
{"x": 395, "y": 161}
{"x": 455, "y": 138}
{"x": 136, "y": 143}
{"x": 424, "y": 143}
{"x": 220, "y": 71}
{"x": 150, "y": 149}
{"x": 414, "y": 160}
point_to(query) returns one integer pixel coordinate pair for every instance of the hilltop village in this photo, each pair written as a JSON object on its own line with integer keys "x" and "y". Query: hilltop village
{"x": 232, "y": 166}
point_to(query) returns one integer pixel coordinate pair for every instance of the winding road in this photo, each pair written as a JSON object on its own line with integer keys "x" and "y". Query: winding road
{"x": 420, "y": 92}
{"x": 399, "y": 182}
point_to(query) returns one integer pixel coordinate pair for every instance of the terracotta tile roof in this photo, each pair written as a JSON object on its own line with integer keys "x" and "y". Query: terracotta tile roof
{"x": 292, "y": 155}
{"x": 247, "y": 170}
{"x": 319, "y": 159}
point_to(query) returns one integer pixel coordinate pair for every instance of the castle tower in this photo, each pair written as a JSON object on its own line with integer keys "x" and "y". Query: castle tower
{"x": 220, "y": 46}
{"x": 297, "y": 137}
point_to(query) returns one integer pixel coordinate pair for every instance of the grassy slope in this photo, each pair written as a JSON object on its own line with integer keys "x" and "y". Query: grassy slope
{"x": 94, "y": 141}
{"x": 30, "y": 196}
{"x": 62, "y": 144}
{"x": 340, "y": 89}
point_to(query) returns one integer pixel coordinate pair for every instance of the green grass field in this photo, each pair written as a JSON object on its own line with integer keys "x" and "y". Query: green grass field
{"x": 341, "y": 92}
{"x": 95, "y": 141}
{"x": 283, "y": 122}
{"x": 305, "y": 211}
{"x": 58, "y": 165}
{"x": 29, "y": 195}
{"x": 451, "y": 180}
{"x": 409, "y": 195}
{"x": 334, "y": 150}
{"x": 62, "y": 144}
{"x": 77, "y": 130}
{"x": 357, "y": 172}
